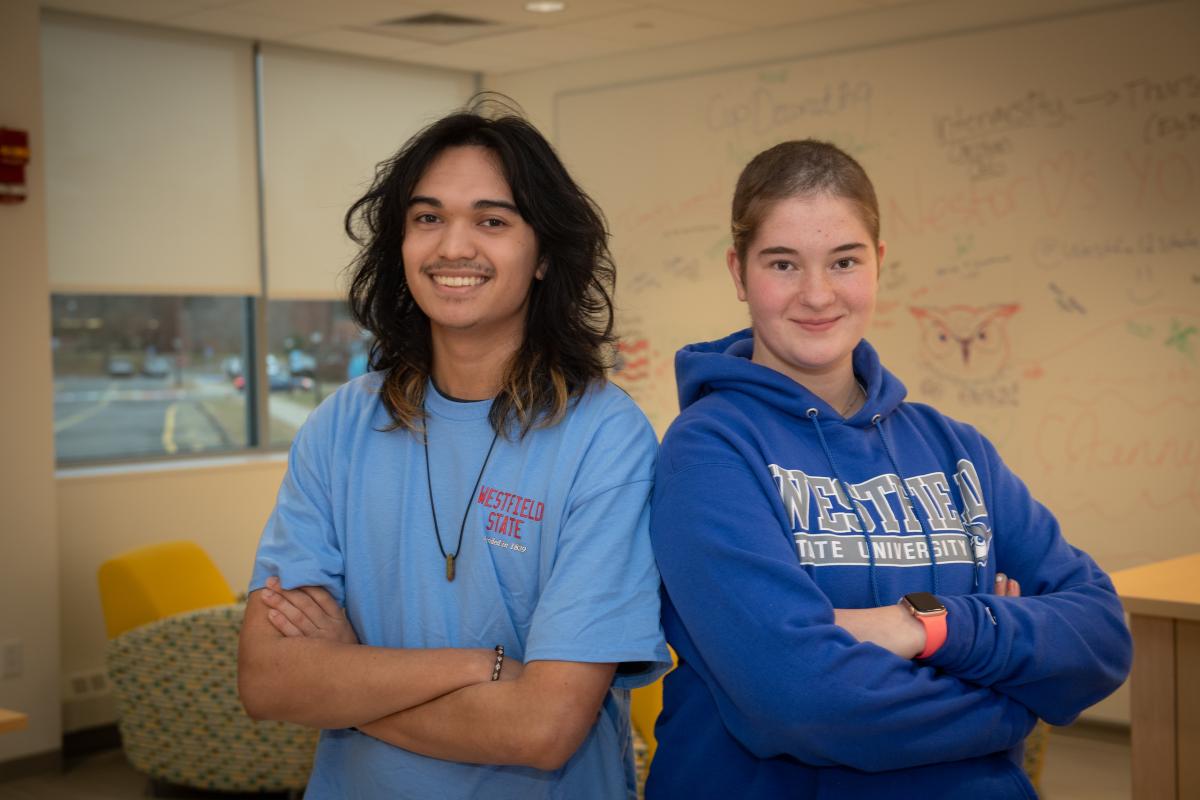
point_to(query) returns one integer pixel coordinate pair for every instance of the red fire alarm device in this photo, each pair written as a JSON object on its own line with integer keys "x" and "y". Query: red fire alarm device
{"x": 14, "y": 155}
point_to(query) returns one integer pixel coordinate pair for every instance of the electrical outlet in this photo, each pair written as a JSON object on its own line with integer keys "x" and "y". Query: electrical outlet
{"x": 11, "y": 659}
{"x": 87, "y": 684}
{"x": 98, "y": 683}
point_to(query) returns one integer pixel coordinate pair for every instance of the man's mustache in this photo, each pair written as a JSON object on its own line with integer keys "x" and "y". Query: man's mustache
{"x": 458, "y": 266}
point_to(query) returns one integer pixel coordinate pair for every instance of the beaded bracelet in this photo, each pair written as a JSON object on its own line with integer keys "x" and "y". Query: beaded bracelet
{"x": 499, "y": 662}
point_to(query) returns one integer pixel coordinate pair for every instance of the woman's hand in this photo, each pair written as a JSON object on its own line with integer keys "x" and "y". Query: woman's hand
{"x": 1006, "y": 586}
{"x": 895, "y": 629}
{"x": 891, "y": 627}
{"x": 308, "y": 611}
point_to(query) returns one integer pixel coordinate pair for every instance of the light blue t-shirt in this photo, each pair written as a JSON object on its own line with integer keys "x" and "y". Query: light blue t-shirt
{"x": 555, "y": 564}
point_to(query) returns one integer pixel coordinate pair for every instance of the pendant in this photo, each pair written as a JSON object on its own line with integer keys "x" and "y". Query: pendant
{"x": 450, "y": 568}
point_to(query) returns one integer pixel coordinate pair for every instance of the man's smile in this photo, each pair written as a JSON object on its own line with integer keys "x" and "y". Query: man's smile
{"x": 458, "y": 280}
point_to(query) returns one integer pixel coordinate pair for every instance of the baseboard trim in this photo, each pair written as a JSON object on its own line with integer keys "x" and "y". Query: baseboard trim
{"x": 36, "y": 764}
{"x": 77, "y": 744}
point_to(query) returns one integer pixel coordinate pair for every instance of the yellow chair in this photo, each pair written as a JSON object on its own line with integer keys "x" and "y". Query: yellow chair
{"x": 181, "y": 722}
{"x": 1035, "y": 753}
{"x": 173, "y": 626}
{"x": 645, "y": 704}
{"x": 154, "y": 582}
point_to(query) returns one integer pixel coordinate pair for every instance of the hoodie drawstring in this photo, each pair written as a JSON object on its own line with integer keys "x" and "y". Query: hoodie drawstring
{"x": 877, "y": 422}
{"x": 812, "y": 414}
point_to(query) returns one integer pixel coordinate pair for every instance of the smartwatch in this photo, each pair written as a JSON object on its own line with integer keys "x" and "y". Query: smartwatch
{"x": 930, "y": 612}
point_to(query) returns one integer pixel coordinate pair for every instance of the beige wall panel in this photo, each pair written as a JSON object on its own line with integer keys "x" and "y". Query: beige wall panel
{"x": 28, "y": 546}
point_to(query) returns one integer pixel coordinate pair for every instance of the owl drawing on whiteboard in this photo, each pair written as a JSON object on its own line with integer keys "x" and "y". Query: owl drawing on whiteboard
{"x": 965, "y": 343}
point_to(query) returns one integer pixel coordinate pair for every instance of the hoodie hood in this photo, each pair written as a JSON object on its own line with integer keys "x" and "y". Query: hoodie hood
{"x": 770, "y": 511}
{"x": 724, "y": 365}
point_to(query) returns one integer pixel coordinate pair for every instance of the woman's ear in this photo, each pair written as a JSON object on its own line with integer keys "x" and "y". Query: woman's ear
{"x": 882, "y": 248}
{"x": 737, "y": 272}
{"x": 540, "y": 272}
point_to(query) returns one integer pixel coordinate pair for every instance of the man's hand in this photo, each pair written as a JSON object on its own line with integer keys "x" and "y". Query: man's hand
{"x": 309, "y": 611}
{"x": 511, "y": 670}
{"x": 538, "y": 721}
{"x": 297, "y": 649}
{"x": 894, "y": 629}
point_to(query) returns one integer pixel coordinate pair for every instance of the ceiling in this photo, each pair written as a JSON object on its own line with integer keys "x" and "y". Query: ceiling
{"x": 504, "y": 37}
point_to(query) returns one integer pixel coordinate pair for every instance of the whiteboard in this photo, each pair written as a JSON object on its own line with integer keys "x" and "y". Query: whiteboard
{"x": 1040, "y": 194}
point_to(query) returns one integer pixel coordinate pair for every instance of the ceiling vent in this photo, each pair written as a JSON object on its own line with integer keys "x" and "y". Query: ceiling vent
{"x": 436, "y": 18}
{"x": 440, "y": 28}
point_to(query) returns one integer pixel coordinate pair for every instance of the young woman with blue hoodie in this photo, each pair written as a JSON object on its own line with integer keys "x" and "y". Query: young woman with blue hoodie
{"x": 865, "y": 601}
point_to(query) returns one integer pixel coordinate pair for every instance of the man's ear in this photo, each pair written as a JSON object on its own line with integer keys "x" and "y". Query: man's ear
{"x": 736, "y": 272}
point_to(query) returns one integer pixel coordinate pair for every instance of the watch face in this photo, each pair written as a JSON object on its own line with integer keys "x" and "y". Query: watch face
{"x": 924, "y": 603}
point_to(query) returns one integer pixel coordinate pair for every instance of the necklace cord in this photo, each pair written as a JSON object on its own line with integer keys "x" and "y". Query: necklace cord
{"x": 859, "y": 390}
{"x": 433, "y": 511}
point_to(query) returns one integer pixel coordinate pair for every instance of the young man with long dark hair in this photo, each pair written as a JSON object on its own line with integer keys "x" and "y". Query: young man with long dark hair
{"x": 456, "y": 583}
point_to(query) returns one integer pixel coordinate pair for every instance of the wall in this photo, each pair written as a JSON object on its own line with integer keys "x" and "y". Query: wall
{"x": 29, "y": 549}
{"x": 221, "y": 504}
{"x": 538, "y": 91}
{"x": 1039, "y": 208}
{"x": 1097, "y": 270}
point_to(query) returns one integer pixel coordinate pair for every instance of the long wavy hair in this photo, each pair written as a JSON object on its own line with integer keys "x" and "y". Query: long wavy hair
{"x": 568, "y": 328}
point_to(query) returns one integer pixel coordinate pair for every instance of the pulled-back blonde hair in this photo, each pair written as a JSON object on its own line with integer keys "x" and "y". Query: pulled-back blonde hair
{"x": 798, "y": 168}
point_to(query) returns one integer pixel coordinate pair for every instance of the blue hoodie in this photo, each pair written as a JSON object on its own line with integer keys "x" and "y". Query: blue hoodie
{"x": 758, "y": 543}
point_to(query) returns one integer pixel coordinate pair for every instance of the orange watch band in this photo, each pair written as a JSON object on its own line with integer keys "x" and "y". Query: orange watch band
{"x": 935, "y": 632}
{"x": 931, "y": 613}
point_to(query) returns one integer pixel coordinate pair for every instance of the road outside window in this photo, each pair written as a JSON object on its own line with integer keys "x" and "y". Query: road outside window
{"x": 159, "y": 376}
{"x": 315, "y": 347}
{"x": 145, "y": 376}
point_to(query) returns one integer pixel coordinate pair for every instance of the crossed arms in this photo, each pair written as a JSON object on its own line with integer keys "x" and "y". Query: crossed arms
{"x": 299, "y": 660}
{"x": 1047, "y": 647}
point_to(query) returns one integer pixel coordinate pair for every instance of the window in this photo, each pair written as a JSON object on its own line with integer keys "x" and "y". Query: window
{"x": 138, "y": 376}
{"x": 154, "y": 376}
{"x": 314, "y": 347}
{"x": 194, "y": 210}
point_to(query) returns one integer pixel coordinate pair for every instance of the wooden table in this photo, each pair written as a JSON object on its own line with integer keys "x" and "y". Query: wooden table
{"x": 1163, "y": 600}
{"x": 12, "y": 721}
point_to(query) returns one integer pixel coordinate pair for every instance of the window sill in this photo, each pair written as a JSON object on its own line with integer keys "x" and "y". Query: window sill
{"x": 216, "y": 463}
